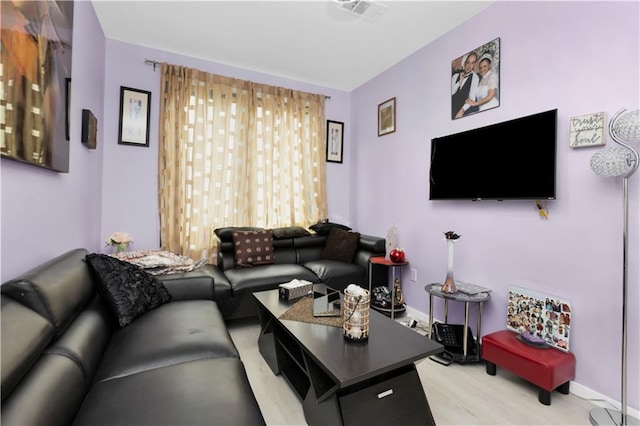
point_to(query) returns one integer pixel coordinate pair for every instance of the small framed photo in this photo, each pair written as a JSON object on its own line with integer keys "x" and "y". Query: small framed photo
{"x": 387, "y": 117}
{"x": 335, "y": 141}
{"x": 135, "y": 115}
{"x": 89, "y": 129}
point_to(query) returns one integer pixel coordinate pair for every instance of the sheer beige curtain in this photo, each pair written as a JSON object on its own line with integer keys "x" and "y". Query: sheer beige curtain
{"x": 234, "y": 152}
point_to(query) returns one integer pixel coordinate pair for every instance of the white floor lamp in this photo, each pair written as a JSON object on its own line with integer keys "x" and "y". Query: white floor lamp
{"x": 624, "y": 129}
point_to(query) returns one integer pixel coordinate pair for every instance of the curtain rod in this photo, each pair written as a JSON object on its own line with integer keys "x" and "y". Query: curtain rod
{"x": 156, "y": 63}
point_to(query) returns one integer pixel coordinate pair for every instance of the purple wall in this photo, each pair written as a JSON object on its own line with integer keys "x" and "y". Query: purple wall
{"x": 45, "y": 213}
{"x": 578, "y": 57}
{"x": 554, "y": 55}
{"x": 130, "y": 174}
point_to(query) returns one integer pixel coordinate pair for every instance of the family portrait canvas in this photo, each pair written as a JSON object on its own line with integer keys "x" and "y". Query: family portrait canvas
{"x": 475, "y": 80}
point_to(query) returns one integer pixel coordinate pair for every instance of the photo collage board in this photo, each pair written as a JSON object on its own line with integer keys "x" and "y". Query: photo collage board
{"x": 542, "y": 315}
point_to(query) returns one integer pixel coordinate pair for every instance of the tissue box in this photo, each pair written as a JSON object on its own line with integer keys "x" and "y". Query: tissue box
{"x": 295, "y": 289}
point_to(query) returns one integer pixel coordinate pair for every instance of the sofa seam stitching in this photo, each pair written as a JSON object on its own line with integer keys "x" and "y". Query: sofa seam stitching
{"x": 45, "y": 303}
{"x": 120, "y": 376}
{"x": 74, "y": 359}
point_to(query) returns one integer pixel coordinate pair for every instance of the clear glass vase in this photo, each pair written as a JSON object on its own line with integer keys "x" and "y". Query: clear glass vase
{"x": 120, "y": 248}
{"x": 449, "y": 285}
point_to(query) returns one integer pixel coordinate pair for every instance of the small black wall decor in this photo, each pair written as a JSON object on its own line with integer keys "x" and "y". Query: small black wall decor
{"x": 89, "y": 129}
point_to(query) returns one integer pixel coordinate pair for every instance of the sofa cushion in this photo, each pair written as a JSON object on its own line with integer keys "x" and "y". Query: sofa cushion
{"x": 289, "y": 232}
{"x": 25, "y": 334}
{"x": 57, "y": 289}
{"x": 266, "y": 277}
{"x": 201, "y": 392}
{"x": 323, "y": 228}
{"x": 225, "y": 235}
{"x": 173, "y": 333}
{"x": 253, "y": 248}
{"x": 49, "y": 394}
{"x": 337, "y": 274}
{"x": 127, "y": 290}
{"x": 341, "y": 245}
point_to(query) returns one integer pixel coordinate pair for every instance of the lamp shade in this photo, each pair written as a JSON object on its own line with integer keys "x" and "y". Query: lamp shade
{"x": 612, "y": 161}
{"x": 627, "y": 127}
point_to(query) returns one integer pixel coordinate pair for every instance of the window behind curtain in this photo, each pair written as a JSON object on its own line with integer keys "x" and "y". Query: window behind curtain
{"x": 236, "y": 153}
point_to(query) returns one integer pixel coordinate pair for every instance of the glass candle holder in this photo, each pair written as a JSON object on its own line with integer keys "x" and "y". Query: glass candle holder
{"x": 355, "y": 315}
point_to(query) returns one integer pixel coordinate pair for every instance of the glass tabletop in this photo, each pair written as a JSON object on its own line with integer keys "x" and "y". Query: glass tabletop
{"x": 436, "y": 290}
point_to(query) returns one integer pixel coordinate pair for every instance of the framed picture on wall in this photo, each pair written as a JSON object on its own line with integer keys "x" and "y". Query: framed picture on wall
{"x": 475, "y": 80}
{"x": 135, "y": 115}
{"x": 335, "y": 141}
{"x": 387, "y": 117}
{"x": 89, "y": 129}
{"x": 67, "y": 105}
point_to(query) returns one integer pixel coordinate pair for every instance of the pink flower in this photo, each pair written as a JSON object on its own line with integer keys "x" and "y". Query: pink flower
{"x": 119, "y": 239}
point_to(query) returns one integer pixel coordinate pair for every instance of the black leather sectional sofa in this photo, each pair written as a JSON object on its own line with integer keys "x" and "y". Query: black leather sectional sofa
{"x": 298, "y": 255}
{"x": 66, "y": 360}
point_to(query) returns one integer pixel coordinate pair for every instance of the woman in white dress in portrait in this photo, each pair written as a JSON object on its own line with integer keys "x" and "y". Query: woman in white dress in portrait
{"x": 487, "y": 92}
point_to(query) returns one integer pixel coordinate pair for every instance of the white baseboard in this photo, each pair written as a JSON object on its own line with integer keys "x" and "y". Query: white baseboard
{"x": 575, "y": 388}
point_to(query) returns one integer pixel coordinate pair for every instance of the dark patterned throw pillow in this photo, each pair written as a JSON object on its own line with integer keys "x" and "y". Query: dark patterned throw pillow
{"x": 129, "y": 291}
{"x": 341, "y": 245}
{"x": 253, "y": 248}
{"x": 289, "y": 232}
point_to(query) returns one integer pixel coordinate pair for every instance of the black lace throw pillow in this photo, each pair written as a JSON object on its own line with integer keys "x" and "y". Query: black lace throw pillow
{"x": 129, "y": 291}
{"x": 323, "y": 228}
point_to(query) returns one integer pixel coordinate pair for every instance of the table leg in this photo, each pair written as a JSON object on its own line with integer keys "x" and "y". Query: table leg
{"x": 446, "y": 311}
{"x": 465, "y": 332}
{"x": 430, "y": 313}
{"x": 393, "y": 291}
{"x": 479, "y": 329}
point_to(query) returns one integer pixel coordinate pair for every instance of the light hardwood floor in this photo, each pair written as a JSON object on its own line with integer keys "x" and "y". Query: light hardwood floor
{"x": 457, "y": 394}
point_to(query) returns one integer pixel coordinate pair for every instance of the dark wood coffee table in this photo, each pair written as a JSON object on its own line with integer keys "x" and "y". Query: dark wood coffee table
{"x": 344, "y": 383}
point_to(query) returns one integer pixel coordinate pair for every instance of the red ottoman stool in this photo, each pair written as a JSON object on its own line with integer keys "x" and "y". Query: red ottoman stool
{"x": 546, "y": 368}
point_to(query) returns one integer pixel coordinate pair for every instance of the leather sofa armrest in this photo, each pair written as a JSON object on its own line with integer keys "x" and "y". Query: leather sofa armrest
{"x": 375, "y": 245}
{"x": 194, "y": 285}
{"x": 368, "y": 247}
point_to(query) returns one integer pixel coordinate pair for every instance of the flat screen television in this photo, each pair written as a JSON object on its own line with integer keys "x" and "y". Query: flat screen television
{"x": 515, "y": 159}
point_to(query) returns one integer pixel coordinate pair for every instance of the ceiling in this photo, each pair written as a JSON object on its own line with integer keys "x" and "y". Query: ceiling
{"x": 309, "y": 41}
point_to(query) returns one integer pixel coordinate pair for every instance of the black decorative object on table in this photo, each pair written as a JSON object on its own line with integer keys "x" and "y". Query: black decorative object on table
{"x": 381, "y": 301}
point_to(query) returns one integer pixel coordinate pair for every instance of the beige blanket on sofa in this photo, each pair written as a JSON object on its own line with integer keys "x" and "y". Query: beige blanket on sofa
{"x": 159, "y": 262}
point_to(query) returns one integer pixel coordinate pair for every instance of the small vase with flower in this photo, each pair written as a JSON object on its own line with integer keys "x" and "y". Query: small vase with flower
{"x": 449, "y": 285}
{"x": 119, "y": 241}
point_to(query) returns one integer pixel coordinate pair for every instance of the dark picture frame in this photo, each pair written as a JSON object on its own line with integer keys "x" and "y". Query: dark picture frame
{"x": 135, "y": 116}
{"x": 387, "y": 117}
{"x": 67, "y": 104}
{"x": 475, "y": 80}
{"x": 89, "y": 129}
{"x": 335, "y": 141}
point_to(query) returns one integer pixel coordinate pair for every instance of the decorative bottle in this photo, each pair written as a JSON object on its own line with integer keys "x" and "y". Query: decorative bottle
{"x": 398, "y": 301}
{"x": 449, "y": 285}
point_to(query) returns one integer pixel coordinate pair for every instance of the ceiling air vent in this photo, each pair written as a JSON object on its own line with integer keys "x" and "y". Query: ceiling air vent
{"x": 366, "y": 8}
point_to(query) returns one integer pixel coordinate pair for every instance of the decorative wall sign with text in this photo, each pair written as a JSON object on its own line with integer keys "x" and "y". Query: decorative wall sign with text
{"x": 587, "y": 130}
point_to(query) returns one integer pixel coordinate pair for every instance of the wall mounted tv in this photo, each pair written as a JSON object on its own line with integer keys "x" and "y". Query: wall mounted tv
{"x": 514, "y": 159}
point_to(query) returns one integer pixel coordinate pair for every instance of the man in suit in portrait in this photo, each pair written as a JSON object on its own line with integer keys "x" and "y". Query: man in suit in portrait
{"x": 463, "y": 85}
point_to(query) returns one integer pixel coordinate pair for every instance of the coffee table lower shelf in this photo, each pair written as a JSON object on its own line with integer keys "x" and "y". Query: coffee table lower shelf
{"x": 393, "y": 396}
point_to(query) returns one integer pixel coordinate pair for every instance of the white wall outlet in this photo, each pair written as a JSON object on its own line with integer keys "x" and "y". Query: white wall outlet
{"x": 414, "y": 274}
